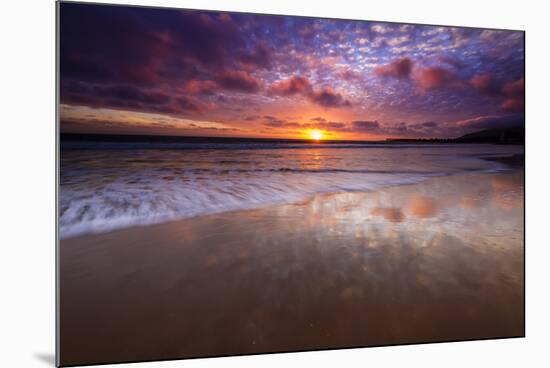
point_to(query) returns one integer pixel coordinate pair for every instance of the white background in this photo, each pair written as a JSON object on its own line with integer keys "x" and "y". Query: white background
{"x": 27, "y": 182}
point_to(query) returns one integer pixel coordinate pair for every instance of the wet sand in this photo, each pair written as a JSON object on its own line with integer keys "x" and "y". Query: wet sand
{"x": 436, "y": 261}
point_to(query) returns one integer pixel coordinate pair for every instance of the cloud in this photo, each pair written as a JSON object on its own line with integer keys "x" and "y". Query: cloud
{"x": 365, "y": 125}
{"x": 400, "y": 68}
{"x": 186, "y": 104}
{"x": 327, "y": 97}
{"x": 104, "y": 47}
{"x": 76, "y": 67}
{"x": 514, "y": 93}
{"x": 238, "y": 81}
{"x": 513, "y": 105}
{"x": 349, "y": 75}
{"x": 205, "y": 38}
{"x": 430, "y": 124}
{"x": 329, "y": 125}
{"x": 92, "y": 53}
{"x": 275, "y": 122}
{"x": 318, "y": 119}
{"x": 200, "y": 87}
{"x": 133, "y": 94}
{"x": 147, "y": 124}
{"x": 260, "y": 58}
{"x": 403, "y": 129}
{"x": 291, "y": 86}
{"x": 399, "y": 129}
{"x": 462, "y": 36}
{"x": 138, "y": 59}
{"x": 435, "y": 77}
{"x": 128, "y": 98}
{"x": 298, "y": 85}
{"x": 426, "y": 78}
{"x": 318, "y": 123}
{"x": 396, "y": 41}
{"x": 485, "y": 84}
{"x": 380, "y": 28}
{"x": 451, "y": 61}
{"x": 415, "y": 130}
{"x": 131, "y": 45}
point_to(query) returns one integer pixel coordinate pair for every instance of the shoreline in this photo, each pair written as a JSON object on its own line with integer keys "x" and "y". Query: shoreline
{"x": 512, "y": 162}
{"x": 386, "y": 267}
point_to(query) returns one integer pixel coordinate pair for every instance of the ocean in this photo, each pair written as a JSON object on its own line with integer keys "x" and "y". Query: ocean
{"x": 108, "y": 184}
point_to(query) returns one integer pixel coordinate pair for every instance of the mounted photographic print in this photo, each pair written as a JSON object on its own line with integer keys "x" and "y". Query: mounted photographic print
{"x": 233, "y": 183}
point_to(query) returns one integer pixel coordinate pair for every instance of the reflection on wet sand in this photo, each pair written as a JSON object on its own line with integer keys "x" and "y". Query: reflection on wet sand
{"x": 506, "y": 192}
{"x": 422, "y": 206}
{"x": 390, "y": 214}
{"x": 439, "y": 260}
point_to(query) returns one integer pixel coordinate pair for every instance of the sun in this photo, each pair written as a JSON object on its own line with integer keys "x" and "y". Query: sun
{"x": 316, "y": 134}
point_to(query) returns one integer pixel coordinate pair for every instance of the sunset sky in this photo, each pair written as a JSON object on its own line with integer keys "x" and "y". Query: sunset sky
{"x": 174, "y": 72}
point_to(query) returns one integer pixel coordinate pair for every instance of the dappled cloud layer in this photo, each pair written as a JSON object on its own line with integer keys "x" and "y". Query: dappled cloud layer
{"x": 167, "y": 71}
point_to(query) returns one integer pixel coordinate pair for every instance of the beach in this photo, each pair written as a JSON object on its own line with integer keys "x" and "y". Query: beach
{"x": 437, "y": 259}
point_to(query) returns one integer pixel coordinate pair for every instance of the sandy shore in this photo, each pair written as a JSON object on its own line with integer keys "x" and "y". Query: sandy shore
{"x": 438, "y": 260}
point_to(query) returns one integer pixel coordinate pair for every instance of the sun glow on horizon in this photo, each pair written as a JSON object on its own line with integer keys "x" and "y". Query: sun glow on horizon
{"x": 316, "y": 134}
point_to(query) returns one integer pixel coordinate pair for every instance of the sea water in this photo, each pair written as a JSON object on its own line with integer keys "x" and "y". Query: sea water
{"x": 112, "y": 185}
